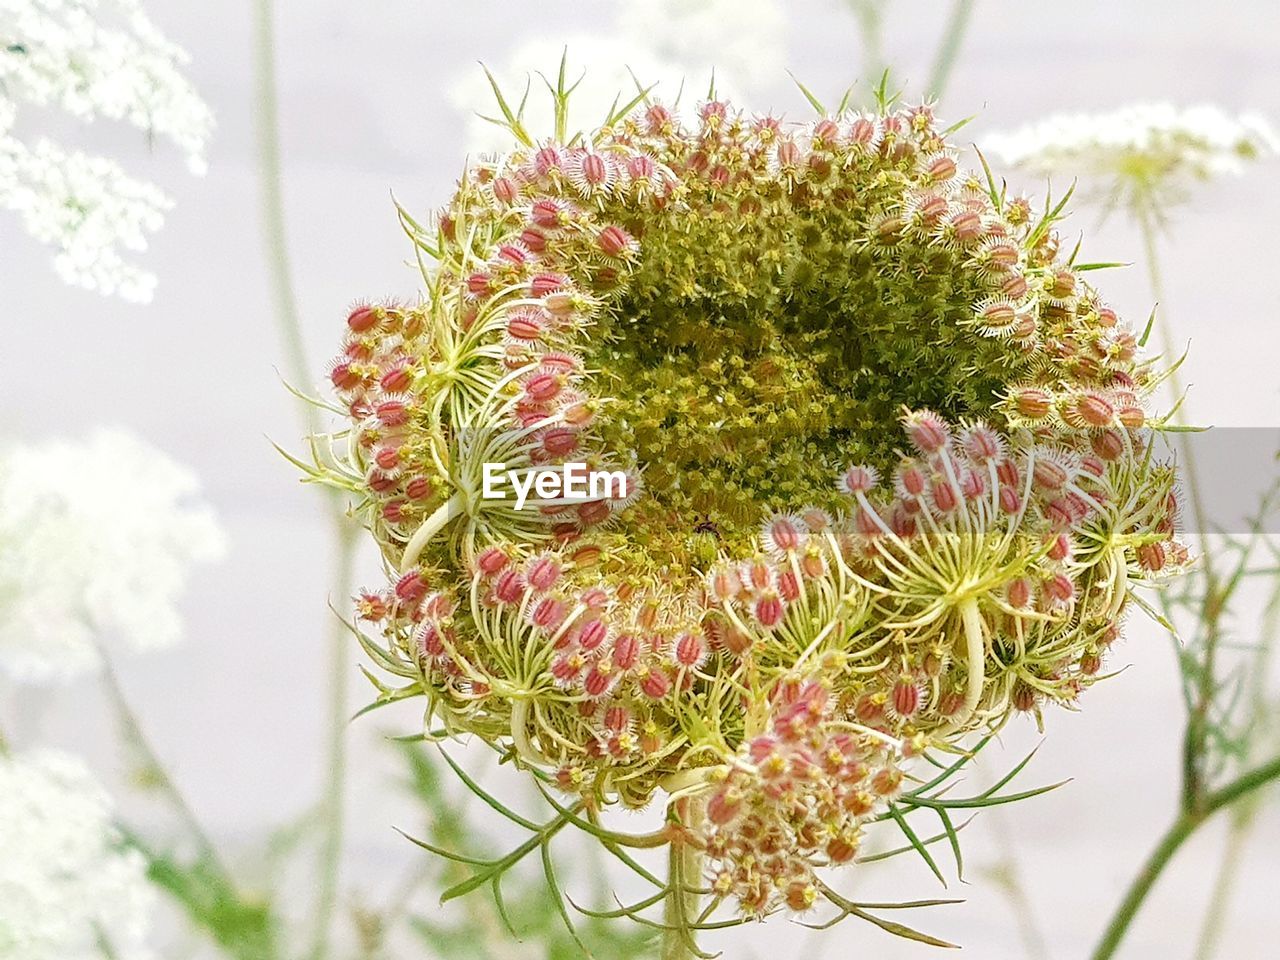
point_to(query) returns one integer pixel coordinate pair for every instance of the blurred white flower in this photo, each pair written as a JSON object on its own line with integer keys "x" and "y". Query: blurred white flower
{"x": 68, "y": 885}
{"x": 743, "y": 41}
{"x": 1147, "y": 153}
{"x": 91, "y": 59}
{"x": 677, "y": 46}
{"x": 97, "y": 539}
{"x": 88, "y": 209}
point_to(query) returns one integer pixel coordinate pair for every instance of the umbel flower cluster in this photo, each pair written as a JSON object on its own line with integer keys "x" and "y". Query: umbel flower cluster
{"x": 91, "y": 59}
{"x": 893, "y": 474}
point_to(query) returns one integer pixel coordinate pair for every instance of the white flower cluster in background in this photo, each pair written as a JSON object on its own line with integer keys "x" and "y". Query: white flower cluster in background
{"x": 69, "y": 889}
{"x": 91, "y": 59}
{"x": 97, "y": 540}
{"x": 1145, "y": 146}
{"x": 676, "y": 46}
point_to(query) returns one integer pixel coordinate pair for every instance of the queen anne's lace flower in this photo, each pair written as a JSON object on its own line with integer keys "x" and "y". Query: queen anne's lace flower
{"x": 96, "y": 542}
{"x": 92, "y": 59}
{"x": 897, "y": 466}
{"x": 68, "y": 885}
{"x": 1143, "y": 146}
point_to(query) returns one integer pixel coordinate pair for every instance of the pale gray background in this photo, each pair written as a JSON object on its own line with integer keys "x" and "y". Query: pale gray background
{"x": 238, "y": 710}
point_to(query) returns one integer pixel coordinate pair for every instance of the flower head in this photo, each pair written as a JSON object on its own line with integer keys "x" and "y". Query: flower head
{"x": 783, "y": 301}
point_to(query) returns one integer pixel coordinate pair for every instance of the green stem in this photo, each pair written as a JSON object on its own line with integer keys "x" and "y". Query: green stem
{"x": 684, "y": 877}
{"x": 1224, "y": 885}
{"x": 1195, "y": 741}
{"x": 267, "y": 129}
{"x": 1179, "y": 831}
{"x": 949, "y": 50}
{"x": 345, "y": 536}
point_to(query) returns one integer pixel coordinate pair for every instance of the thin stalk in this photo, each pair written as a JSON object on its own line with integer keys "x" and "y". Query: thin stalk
{"x": 949, "y": 49}
{"x": 157, "y": 774}
{"x": 1195, "y": 742}
{"x": 684, "y": 877}
{"x": 267, "y": 130}
{"x": 1245, "y": 815}
{"x": 1179, "y": 831}
{"x": 1150, "y": 246}
{"x": 1224, "y": 885}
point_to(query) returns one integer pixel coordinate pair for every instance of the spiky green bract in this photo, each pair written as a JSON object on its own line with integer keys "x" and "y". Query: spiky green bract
{"x": 756, "y": 321}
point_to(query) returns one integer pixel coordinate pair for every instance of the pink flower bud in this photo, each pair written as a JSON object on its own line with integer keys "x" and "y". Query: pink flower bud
{"x": 614, "y": 241}
{"x": 858, "y": 479}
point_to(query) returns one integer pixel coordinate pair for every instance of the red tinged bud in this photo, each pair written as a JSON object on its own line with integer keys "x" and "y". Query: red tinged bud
{"x": 505, "y": 190}
{"x": 343, "y": 377}
{"x": 419, "y": 488}
{"x": 364, "y": 318}
{"x": 690, "y": 650}
{"x": 768, "y": 610}
{"x": 534, "y": 240}
{"x": 491, "y": 561}
{"x": 1032, "y": 403}
{"x": 392, "y": 413}
{"x": 398, "y": 378}
{"x": 546, "y": 283}
{"x": 548, "y": 214}
{"x": 614, "y": 241}
{"x": 626, "y": 651}
{"x": 371, "y": 606}
{"x": 906, "y": 697}
{"x": 509, "y": 587}
{"x": 593, "y": 634}
{"x": 656, "y": 685}
{"x": 724, "y": 806}
{"x": 1018, "y": 593}
{"x": 412, "y": 586}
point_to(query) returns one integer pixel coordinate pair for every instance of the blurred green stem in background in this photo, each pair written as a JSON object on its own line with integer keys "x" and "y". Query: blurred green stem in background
{"x": 1245, "y": 813}
{"x": 870, "y": 17}
{"x": 1212, "y": 738}
{"x": 298, "y": 371}
{"x": 949, "y": 49}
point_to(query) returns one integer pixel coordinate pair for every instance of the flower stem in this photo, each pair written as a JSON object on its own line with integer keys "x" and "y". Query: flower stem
{"x": 975, "y": 654}
{"x": 267, "y": 130}
{"x": 430, "y": 527}
{"x": 684, "y": 877}
{"x": 1187, "y": 822}
{"x": 333, "y": 809}
{"x": 1224, "y": 885}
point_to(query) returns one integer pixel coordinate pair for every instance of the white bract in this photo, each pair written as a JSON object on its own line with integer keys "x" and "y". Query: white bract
{"x": 97, "y": 540}
{"x": 1141, "y": 147}
{"x": 68, "y": 885}
{"x": 91, "y": 59}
